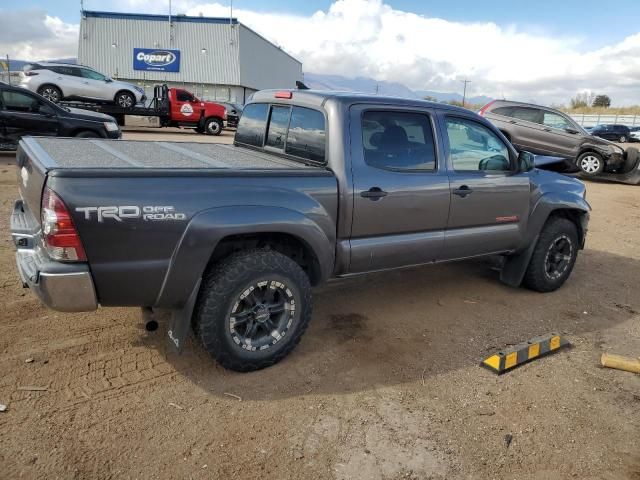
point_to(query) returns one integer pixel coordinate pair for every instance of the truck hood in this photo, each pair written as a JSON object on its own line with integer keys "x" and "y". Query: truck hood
{"x": 552, "y": 182}
{"x": 89, "y": 115}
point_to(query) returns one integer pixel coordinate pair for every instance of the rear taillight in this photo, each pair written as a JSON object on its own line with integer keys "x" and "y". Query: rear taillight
{"x": 484, "y": 109}
{"x": 60, "y": 236}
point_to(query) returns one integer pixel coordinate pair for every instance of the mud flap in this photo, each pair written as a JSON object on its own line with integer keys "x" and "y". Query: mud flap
{"x": 516, "y": 266}
{"x": 181, "y": 320}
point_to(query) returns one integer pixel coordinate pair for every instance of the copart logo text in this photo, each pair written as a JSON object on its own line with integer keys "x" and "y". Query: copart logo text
{"x": 150, "y": 213}
{"x": 159, "y": 58}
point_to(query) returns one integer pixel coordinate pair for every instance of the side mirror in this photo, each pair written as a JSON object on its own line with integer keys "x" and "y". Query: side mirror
{"x": 35, "y": 107}
{"x": 494, "y": 163}
{"x": 525, "y": 161}
{"x": 571, "y": 130}
{"x": 108, "y": 80}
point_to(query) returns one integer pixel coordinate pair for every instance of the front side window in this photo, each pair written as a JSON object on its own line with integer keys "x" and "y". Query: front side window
{"x": 473, "y": 147}
{"x": 554, "y": 120}
{"x": 90, "y": 74}
{"x": 306, "y": 137}
{"x": 252, "y": 124}
{"x": 278, "y": 124}
{"x": 526, "y": 114}
{"x": 19, "y": 102}
{"x": 395, "y": 140}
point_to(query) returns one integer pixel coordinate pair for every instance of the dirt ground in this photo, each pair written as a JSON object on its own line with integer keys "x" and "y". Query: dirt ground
{"x": 384, "y": 385}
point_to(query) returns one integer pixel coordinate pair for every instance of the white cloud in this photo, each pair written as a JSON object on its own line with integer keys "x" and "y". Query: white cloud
{"x": 370, "y": 38}
{"x": 34, "y": 35}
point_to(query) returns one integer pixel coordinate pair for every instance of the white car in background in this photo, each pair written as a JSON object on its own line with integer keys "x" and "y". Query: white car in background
{"x": 61, "y": 81}
{"x": 635, "y": 133}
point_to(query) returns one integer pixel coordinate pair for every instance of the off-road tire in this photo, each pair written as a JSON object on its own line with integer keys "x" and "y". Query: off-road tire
{"x": 51, "y": 93}
{"x": 536, "y": 277}
{"x": 213, "y": 126}
{"x": 222, "y": 285}
{"x": 582, "y": 162}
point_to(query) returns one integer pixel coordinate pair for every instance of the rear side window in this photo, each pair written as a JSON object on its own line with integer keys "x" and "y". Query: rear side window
{"x": 527, "y": 114}
{"x": 395, "y": 140}
{"x": 306, "y": 137}
{"x": 252, "y": 124}
{"x": 73, "y": 71}
{"x": 506, "y": 111}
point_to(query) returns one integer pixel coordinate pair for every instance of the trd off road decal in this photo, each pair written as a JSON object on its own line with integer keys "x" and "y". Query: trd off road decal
{"x": 119, "y": 214}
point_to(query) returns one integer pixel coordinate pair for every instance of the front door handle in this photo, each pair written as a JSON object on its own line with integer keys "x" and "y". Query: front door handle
{"x": 513, "y": 121}
{"x": 374, "y": 193}
{"x": 463, "y": 191}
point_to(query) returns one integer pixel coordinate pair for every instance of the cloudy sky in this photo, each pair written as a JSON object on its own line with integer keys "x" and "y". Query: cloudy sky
{"x": 541, "y": 50}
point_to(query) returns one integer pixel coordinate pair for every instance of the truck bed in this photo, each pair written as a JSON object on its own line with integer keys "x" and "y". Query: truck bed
{"x": 94, "y": 153}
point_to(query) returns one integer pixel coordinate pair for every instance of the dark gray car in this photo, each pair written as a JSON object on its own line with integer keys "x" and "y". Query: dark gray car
{"x": 318, "y": 185}
{"x": 546, "y": 131}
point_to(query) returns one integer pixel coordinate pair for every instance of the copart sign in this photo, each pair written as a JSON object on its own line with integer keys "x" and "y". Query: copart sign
{"x": 156, "y": 60}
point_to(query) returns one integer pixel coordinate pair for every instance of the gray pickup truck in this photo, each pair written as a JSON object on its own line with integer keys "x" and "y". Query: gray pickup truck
{"x": 318, "y": 185}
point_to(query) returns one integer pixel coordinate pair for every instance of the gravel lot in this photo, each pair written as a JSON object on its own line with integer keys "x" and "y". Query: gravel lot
{"x": 384, "y": 385}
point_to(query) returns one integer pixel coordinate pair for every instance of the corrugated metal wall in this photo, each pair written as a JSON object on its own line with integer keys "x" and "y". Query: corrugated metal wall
{"x": 213, "y": 55}
{"x": 263, "y": 65}
{"x": 107, "y": 44}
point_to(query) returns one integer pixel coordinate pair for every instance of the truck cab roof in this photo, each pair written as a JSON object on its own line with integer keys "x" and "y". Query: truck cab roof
{"x": 319, "y": 98}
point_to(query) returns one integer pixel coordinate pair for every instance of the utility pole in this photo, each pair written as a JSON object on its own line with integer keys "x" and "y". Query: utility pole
{"x": 464, "y": 94}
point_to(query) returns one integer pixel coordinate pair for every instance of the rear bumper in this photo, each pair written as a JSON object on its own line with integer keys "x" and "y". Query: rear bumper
{"x": 66, "y": 287}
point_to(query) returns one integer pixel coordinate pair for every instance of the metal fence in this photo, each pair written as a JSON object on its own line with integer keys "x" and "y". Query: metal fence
{"x": 587, "y": 120}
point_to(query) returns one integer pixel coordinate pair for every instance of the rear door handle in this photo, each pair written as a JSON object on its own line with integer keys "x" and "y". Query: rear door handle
{"x": 513, "y": 121}
{"x": 463, "y": 191}
{"x": 547, "y": 129}
{"x": 374, "y": 193}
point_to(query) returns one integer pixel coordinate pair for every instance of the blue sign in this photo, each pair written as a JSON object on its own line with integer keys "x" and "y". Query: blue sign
{"x": 156, "y": 60}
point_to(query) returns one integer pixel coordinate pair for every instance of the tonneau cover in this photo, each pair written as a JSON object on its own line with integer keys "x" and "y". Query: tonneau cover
{"x": 76, "y": 153}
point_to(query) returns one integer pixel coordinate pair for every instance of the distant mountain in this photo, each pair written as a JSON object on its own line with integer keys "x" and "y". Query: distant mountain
{"x": 359, "y": 84}
{"x": 448, "y": 97}
{"x": 369, "y": 85}
{"x": 17, "y": 65}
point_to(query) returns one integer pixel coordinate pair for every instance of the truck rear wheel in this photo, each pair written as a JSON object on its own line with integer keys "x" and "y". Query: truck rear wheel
{"x": 554, "y": 256}
{"x": 213, "y": 126}
{"x": 252, "y": 309}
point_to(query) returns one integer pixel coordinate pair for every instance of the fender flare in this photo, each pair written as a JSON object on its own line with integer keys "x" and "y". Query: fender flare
{"x": 515, "y": 266}
{"x": 207, "y": 228}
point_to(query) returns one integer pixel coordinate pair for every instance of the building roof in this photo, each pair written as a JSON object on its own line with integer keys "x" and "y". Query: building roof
{"x": 158, "y": 18}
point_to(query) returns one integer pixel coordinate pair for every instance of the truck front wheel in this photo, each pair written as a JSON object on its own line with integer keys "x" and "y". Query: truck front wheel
{"x": 554, "y": 256}
{"x": 213, "y": 126}
{"x": 252, "y": 309}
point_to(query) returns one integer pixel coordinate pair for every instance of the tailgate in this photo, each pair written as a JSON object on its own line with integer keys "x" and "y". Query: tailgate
{"x": 32, "y": 175}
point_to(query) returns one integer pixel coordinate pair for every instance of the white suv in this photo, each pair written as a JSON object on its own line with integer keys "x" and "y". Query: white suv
{"x": 59, "y": 81}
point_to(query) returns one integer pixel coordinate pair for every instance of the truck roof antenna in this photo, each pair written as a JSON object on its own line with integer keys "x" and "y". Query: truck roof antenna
{"x": 301, "y": 86}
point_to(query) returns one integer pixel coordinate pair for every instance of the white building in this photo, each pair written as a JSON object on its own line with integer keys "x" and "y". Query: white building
{"x": 214, "y": 58}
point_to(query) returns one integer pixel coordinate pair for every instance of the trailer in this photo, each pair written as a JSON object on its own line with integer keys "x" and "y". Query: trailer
{"x": 174, "y": 107}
